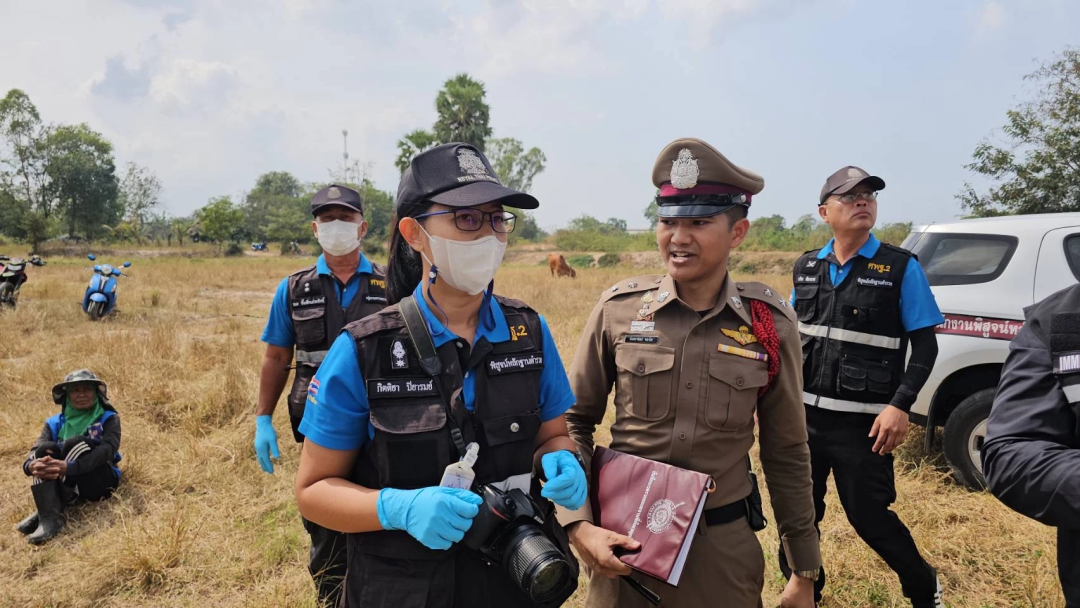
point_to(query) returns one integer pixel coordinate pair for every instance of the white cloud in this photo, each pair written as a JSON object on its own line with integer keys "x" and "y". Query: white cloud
{"x": 702, "y": 16}
{"x": 991, "y": 17}
{"x": 187, "y": 83}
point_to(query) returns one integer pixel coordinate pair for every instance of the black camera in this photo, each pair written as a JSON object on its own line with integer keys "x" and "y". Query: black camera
{"x": 507, "y": 531}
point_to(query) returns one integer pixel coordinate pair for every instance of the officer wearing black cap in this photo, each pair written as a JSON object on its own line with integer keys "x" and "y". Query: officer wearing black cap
{"x": 693, "y": 355}
{"x": 1031, "y": 456}
{"x": 859, "y": 303}
{"x": 309, "y": 309}
{"x": 403, "y": 393}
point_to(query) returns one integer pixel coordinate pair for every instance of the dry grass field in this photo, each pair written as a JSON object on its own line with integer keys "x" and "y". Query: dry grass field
{"x": 196, "y": 523}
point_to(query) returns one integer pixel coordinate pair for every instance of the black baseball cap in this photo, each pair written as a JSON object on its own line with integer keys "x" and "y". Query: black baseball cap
{"x": 456, "y": 175}
{"x": 845, "y": 180}
{"x": 336, "y": 195}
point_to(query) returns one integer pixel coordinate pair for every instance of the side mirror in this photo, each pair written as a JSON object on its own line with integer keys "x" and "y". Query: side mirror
{"x": 97, "y": 268}
{"x": 91, "y": 257}
{"x": 127, "y": 264}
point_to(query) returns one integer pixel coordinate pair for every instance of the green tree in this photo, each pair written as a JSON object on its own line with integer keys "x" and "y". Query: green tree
{"x": 276, "y": 194}
{"x": 22, "y": 152}
{"x": 1037, "y": 170}
{"x": 462, "y": 112}
{"x": 412, "y": 144}
{"x": 651, "y": 214}
{"x": 220, "y": 220}
{"x": 82, "y": 177}
{"x": 515, "y": 167}
{"x": 140, "y": 194}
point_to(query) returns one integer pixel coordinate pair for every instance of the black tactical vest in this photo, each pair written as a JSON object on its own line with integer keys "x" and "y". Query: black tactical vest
{"x": 853, "y": 338}
{"x": 1061, "y": 314}
{"x": 318, "y": 317}
{"x": 413, "y": 443}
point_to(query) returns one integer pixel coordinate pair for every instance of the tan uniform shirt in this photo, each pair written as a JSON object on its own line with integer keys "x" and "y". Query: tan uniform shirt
{"x": 679, "y": 400}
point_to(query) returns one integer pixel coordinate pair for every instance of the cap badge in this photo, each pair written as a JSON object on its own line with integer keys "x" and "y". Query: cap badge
{"x": 684, "y": 170}
{"x": 855, "y": 173}
{"x": 470, "y": 163}
{"x": 333, "y": 193}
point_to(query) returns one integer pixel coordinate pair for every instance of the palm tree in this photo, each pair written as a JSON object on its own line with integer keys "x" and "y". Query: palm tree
{"x": 463, "y": 113}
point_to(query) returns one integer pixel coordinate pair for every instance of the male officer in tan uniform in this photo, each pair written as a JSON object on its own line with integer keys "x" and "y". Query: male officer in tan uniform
{"x": 692, "y": 355}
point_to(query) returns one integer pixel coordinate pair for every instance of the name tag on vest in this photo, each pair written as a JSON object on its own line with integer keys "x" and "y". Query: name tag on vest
{"x": 380, "y": 299}
{"x": 868, "y": 282}
{"x": 508, "y": 364}
{"x": 802, "y": 279}
{"x": 305, "y": 302}
{"x": 401, "y": 387}
{"x": 1067, "y": 363}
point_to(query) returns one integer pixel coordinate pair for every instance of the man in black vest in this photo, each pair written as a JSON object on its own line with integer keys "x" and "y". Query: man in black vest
{"x": 1031, "y": 457}
{"x": 859, "y": 303}
{"x": 309, "y": 310}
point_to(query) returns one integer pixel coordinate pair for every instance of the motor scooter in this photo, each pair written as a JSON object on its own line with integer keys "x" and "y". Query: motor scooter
{"x": 100, "y": 297}
{"x": 12, "y": 277}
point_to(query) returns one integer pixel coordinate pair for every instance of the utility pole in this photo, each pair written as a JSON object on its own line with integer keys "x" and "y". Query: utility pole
{"x": 345, "y": 153}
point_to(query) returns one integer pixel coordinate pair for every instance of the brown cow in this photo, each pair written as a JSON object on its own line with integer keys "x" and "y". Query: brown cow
{"x": 557, "y": 264}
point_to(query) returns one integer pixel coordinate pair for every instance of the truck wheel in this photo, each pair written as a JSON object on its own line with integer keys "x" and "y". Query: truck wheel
{"x": 965, "y": 431}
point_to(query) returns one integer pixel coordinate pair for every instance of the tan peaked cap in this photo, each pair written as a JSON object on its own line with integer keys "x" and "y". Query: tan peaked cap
{"x": 713, "y": 167}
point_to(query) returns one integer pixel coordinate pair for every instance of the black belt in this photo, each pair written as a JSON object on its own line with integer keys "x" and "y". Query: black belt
{"x": 725, "y": 514}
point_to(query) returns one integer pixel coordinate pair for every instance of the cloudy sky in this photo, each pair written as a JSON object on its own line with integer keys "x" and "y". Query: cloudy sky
{"x": 212, "y": 93}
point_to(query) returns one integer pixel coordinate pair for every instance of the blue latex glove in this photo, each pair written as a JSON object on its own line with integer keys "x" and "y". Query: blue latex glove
{"x": 265, "y": 443}
{"x": 566, "y": 485}
{"x": 437, "y": 517}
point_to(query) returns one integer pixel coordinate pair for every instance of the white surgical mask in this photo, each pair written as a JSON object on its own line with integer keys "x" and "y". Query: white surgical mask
{"x": 339, "y": 237}
{"x": 467, "y": 266}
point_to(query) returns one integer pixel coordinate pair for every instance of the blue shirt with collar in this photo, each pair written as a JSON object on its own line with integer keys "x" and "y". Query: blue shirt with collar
{"x": 336, "y": 414}
{"x": 918, "y": 308}
{"x": 279, "y": 326}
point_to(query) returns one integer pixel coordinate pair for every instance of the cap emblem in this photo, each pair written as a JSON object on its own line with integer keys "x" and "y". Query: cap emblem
{"x": 684, "y": 170}
{"x": 854, "y": 173}
{"x": 470, "y": 163}
{"x": 333, "y": 193}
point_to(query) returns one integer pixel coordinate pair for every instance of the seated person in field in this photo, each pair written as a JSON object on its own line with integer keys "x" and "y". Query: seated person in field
{"x": 75, "y": 456}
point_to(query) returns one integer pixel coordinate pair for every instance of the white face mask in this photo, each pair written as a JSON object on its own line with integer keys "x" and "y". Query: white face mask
{"x": 338, "y": 237}
{"x": 467, "y": 266}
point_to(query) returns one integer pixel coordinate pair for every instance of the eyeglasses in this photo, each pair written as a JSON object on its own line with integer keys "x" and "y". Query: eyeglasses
{"x": 847, "y": 199}
{"x": 471, "y": 220}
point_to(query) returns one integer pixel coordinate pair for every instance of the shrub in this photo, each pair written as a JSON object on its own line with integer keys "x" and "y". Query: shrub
{"x": 580, "y": 261}
{"x": 234, "y": 249}
{"x": 608, "y": 260}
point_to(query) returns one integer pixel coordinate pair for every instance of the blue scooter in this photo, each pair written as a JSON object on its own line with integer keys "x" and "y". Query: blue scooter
{"x": 100, "y": 297}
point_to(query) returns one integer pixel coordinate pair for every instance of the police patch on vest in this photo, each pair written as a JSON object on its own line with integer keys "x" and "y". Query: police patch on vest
{"x": 401, "y": 387}
{"x": 806, "y": 278}
{"x": 508, "y": 364}
{"x": 399, "y": 357}
{"x": 305, "y": 302}
{"x": 632, "y": 339}
{"x": 1067, "y": 363}
{"x": 868, "y": 282}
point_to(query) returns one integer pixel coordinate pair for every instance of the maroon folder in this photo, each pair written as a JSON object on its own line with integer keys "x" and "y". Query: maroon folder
{"x": 656, "y": 504}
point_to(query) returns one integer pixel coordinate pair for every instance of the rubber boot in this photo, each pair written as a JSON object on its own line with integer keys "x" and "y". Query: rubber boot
{"x": 50, "y": 511}
{"x": 28, "y": 525}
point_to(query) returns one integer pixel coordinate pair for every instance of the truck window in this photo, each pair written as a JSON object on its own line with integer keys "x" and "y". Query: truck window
{"x": 965, "y": 259}
{"x": 1072, "y": 254}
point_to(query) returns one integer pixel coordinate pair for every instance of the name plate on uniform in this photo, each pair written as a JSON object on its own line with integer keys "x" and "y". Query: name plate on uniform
{"x": 380, "y": 299}
{"x": 507, "y": 364}
{"x": 401, "y": 387}
{"x": 868, "y": 282}
{"x": 803, "y": 279}
{"x": 303, "y": 302}
{"x": 632, "y": 339}
{"x": 1067, "y": 363}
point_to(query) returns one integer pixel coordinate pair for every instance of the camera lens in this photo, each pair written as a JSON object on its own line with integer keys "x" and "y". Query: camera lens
{"x": 537, "y": 565}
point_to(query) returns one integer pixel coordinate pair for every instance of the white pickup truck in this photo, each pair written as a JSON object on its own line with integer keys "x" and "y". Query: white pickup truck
{"x": 983, "y": 273}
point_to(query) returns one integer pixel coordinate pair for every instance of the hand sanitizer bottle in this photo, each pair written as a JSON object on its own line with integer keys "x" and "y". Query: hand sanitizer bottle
{"x": 460, "y": 474}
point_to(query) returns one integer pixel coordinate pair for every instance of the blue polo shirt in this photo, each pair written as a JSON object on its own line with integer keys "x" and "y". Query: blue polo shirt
{"x": 279, "y": 326}
{"x": 918, "y": 308}
{"x": 336, "y": 414}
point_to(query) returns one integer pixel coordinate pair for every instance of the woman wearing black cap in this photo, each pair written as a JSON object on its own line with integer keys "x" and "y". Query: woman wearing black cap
{"x": 405, "y": 393}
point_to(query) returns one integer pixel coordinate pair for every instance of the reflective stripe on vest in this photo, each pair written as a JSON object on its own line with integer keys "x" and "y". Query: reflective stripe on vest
{"x": 846, "y": 335}
{"x": 314, "y": 356}
{"x": 1072, "y": 392}
{"x": 839, "y": 405}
